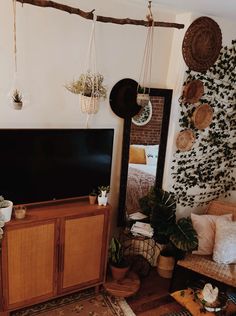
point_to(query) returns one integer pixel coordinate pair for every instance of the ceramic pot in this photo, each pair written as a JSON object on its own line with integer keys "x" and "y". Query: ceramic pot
{"x": 102, "y": 199}
{"x": 143, "y": 99}
{"x": 17, "y": 105}
{"x": 6, "y": 212}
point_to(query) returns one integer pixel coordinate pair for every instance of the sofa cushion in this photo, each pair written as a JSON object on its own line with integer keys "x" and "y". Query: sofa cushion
{"x": 225, "y": 242}
{"x": 205, "y": 228}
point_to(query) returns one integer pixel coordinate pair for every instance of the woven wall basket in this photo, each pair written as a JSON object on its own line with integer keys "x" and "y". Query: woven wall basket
{"x": 202, "y": 116}
{"x": 89, "y": 104}
{"x": 193, "y": 91}
{"x": 202, "y": 44}
{"x": 185, "y": 140}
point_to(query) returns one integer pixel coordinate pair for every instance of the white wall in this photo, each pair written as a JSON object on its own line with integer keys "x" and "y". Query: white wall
{"x": 52, "y": 47}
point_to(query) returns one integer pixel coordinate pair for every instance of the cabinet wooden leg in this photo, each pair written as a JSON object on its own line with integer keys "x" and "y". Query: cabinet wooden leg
{"x": 97, "y": 288}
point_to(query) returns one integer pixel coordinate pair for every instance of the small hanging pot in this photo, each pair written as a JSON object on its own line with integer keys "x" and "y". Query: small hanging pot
{"x": 143, "y": 99}
{"x": 89, "y": 104}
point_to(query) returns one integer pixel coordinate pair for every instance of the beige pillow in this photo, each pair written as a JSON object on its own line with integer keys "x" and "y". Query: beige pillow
{"x": 137, "y": 155}
{"x": 225, "y": 242}
{"x": 205, "y": 228}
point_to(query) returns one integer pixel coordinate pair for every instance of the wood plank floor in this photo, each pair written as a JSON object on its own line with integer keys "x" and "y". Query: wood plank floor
{"x": 153, "y": 287}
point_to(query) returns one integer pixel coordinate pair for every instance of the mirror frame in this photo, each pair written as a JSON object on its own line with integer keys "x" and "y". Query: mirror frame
{"x": 167, "y": 94}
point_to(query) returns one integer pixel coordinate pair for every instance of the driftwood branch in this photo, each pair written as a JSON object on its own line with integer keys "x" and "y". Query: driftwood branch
{"x": 89, "y": 15}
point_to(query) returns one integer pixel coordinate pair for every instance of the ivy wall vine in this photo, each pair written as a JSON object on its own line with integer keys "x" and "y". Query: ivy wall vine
{"x": 207, "y": 171}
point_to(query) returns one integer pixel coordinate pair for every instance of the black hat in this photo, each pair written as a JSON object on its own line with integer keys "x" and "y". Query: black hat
{"x": 123, "y": 98}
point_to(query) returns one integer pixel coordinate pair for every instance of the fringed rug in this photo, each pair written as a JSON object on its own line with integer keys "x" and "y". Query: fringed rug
{"x": 85, "y": 303}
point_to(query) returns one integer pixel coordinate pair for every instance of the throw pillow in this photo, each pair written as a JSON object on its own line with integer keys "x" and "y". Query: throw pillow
{"x": 187, "y": 300}
{"x": 225, "y": 247}
{"x": 205, "y": 228}
{"x": 137, "y": 155}
{"x": 152, "y": 154}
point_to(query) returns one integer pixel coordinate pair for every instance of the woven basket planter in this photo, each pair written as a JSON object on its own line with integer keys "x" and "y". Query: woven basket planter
{"x": 89, "y": 104}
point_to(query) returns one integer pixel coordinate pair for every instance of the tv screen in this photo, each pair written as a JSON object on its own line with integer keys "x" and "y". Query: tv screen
{"x": 46, "y": 164}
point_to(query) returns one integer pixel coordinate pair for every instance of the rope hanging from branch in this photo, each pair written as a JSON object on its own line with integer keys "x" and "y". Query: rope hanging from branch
{"x": 104, "y": 19}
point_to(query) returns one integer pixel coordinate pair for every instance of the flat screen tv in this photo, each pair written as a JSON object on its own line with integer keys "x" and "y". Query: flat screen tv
{"x": 46, "y": 164}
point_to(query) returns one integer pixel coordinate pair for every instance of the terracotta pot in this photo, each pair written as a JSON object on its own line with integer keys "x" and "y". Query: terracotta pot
{"x": 20, "y": 212}
{"x": 92, "y": 199}
{"x": 118, "y": 273}
{"x": 165, "y": 266}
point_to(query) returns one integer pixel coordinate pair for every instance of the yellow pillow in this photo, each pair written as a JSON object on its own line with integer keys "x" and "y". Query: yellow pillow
{"x": 186, "y": 299}
{"x": 137, "y": 155}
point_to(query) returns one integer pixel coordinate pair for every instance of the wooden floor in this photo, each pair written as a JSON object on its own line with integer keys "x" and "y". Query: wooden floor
{"x": 153, "y": 287}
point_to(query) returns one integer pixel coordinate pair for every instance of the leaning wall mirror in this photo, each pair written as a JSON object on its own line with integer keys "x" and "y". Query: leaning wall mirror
{"x": 143, "y": 152}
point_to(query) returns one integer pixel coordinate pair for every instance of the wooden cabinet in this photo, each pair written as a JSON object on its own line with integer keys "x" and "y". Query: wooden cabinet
{"x": 58, "y": 248}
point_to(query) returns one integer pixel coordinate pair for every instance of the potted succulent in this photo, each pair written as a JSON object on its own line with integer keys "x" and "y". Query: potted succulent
{"x": 102, "y": 195}
{"x": 177, "y": 237}
{"x": 17, "y": 99}
{"x": 92, "y": 197}
{"x": 143, "y": 97}
{"x": 90, "y": 88}
{"x": 118, "y": 264}
{"x": 5, "y": 209}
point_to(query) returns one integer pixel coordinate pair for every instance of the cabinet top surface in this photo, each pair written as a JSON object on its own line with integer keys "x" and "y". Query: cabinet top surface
{"x": 58, "y": 209}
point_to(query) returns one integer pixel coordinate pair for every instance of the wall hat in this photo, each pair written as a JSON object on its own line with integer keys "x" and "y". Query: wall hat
{"x": 185, "y": 140}
{"x": 202, "y": 116}
{"x": 123, "y": 98}
{"x": 202, "y": 44}
{"x": 193, "y": 91}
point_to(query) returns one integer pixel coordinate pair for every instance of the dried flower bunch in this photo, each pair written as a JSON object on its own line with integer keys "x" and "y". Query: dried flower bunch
{"x": 17, "y": 96}
{"x": 89, "y": 84}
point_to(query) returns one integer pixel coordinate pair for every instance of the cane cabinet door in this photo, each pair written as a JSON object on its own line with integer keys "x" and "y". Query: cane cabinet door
{"x": 30, "y": 263}
{"x": 83, "y": 251}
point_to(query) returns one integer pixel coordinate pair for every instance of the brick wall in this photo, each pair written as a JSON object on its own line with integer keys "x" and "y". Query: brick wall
{"x": 150, "y": 133}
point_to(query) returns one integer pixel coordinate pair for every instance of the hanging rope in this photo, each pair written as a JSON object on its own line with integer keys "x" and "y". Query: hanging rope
{"x": 89, "y": 105}
{"x": 14, "y": 33}
{"x": 144, "y": 83}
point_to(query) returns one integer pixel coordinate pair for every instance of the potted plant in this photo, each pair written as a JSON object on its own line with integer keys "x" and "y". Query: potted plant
{"x": 92, "y": 197}
{"x": 143, "y": 97}
{"x": 118, "y": 264}
{"x": 90, "y": 88}
{"x": 5, "y": 209}
{"x": 177, "y": 237}
{"x": 102, "y": 195}
{"x": 17, "y": 99}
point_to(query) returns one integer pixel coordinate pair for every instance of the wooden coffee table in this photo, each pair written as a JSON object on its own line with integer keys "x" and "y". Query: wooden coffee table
{"x": 125, "y": 287}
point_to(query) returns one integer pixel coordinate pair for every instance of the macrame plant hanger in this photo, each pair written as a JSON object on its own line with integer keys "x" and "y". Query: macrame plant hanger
{"x": 89, "y": 103}
{"x": 15, "y": 94}
{"x": 143, "y": 89}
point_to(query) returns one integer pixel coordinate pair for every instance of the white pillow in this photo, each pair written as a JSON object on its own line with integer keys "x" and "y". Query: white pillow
{"x": 205, "y": 226}
{"x": 151, "y": 154}
{"x": 225, "y": 242}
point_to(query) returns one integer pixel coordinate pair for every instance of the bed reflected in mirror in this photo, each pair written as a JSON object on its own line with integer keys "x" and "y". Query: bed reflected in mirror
{"x": 143, "y": 155}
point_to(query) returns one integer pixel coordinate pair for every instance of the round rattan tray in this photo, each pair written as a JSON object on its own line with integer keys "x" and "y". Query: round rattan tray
{"x": 202, "y": 116}
{"x": 202, "y": 44}
{"x": 185, "y": 140}
{"x": 193, "y": 91}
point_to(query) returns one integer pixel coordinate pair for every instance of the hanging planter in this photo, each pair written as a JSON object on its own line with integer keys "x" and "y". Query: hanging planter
{"x": 90, "y": 88}
{"x": 16, "y": 96}
{"x": 90, "y": 84}
{"x": 143, "y": 89}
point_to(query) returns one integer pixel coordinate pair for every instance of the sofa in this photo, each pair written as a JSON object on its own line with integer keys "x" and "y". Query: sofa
{"x": 204, "y": 265}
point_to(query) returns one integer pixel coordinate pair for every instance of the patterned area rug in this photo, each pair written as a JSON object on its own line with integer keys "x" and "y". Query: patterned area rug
{"x": 85, "y": 303}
